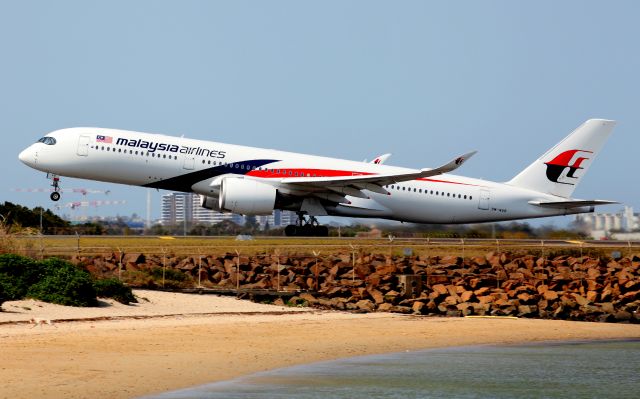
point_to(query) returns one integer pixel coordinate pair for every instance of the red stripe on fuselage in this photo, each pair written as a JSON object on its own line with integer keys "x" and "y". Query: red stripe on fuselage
{"x": 304, "y": 172}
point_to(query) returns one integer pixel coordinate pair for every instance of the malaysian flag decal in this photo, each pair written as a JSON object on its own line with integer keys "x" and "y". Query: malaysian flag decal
{"x": 104, "y": 139}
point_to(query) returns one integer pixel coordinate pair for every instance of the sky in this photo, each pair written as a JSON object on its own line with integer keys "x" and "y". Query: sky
{"x": 423, "y": 80}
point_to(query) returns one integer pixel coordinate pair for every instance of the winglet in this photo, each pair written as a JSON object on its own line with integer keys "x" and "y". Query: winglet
{"x": 451, "y": 165}
{"x": 379, "y": 160}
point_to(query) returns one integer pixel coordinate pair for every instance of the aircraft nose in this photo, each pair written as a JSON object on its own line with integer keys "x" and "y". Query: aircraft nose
{"x": 27, "y": 157}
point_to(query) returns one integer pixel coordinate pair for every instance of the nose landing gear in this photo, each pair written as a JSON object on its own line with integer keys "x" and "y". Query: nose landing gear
{"x": 55, "y": 183}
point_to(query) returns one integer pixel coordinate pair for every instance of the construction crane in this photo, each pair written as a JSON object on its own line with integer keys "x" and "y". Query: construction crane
{"x": 86, "y": 204}
{"x": 83, "y": 191}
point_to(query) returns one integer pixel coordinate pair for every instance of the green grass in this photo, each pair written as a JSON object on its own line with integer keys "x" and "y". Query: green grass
{"x": 67, "y": 246}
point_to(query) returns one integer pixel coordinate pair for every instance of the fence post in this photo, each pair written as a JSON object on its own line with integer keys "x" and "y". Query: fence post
{"x": 277, "y": 254}
{"x": 199, "y": 270}
{"x": 164, "y": 264}
{"x": 353, "y": 263}
{"x": 237, "y": 273}
{"x": 316, "y": 267}
{"x": 119, "y": 263}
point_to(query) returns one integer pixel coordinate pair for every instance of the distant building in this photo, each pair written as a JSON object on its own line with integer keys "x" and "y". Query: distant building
{"x": 277, "y": 219}
{"x": 178, "y": 206}
{"x": 603, "y": 224}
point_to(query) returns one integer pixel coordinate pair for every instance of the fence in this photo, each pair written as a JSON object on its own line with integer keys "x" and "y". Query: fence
{"x": 69, "y": 246}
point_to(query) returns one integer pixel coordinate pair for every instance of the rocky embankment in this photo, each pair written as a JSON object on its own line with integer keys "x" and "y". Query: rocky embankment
{"x": 562, "y": 287}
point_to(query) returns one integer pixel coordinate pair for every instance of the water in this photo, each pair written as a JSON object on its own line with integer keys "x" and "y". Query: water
{"x": 567, "y": 370}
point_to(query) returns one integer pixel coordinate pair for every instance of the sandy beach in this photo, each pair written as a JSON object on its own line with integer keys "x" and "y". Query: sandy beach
{"x": 171, "y": 341}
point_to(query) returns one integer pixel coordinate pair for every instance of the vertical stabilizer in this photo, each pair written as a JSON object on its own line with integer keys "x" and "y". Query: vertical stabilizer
{"x": 560, "y": 169}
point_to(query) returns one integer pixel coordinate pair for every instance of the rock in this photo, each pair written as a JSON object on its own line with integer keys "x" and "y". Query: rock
{"x": 486, "y": 299}
{"x": 580, "y": 300}
{"x": 451, "y": 300}
{"x": 525, "y": 297}
{"x": 607, "y": 307}
{"x": 376, "y": 295}
{"x": 466, "y": 296}
{"x": 133, "y": 258}
{"x": 400, "y": 309}
{"x": 592, "y": 296}
{"x": 385, "y": 307}
{"x": 440, "y": 289}
{"x": 310, "y": 299}
{"x": 417, "y": 307}
{"x": 567, "y": 301}
{"x": 550, "y": 295}
{"x": 524, "y": 311}
{"x": 516, "y": 276}
{"x": 622, "y": 315}
{"x": 466, "y": 309}
{"x": 365, "y": 305}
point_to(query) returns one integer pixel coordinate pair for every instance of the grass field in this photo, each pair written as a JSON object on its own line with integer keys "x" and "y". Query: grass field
{"x": 45, "y": 246}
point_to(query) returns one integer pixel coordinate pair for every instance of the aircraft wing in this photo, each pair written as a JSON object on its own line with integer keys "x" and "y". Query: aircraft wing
{"x": 571, "y": 204}
{"x": 372, "y": 182}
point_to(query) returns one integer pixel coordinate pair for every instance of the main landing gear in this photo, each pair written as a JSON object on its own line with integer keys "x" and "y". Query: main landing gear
{"x": 55, "y": 183}
{"x": 306, "y": 228}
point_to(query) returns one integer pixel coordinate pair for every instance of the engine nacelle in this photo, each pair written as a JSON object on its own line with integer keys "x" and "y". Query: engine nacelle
{"x": 210, "y": 203}
{"x": 246, "y": 196}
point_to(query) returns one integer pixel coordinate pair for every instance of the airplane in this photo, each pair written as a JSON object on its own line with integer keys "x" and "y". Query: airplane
{"x": 255, "y": 181}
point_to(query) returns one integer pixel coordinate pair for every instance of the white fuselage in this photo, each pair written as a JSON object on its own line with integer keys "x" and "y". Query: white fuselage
{"x": 181, "y": 164}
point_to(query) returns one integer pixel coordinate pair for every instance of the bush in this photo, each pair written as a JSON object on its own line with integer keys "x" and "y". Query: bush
{"x": 113, "y": 288}
{"x": 64, "y": 284}
{"x": 2, "y": 297}
{"x": 17, "y": 274}
{"x": 172, "y": 278}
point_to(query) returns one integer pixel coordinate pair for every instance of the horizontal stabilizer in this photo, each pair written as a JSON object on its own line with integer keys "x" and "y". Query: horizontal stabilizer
{"x": 571, "y": 204}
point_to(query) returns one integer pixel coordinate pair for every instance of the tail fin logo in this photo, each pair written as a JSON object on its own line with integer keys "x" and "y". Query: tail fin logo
{"x": 557, "y": 166}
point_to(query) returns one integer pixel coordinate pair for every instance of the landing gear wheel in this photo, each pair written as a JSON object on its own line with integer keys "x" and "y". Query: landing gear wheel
{"x": 305, "y": 228}
{"x": 55, "y": 183}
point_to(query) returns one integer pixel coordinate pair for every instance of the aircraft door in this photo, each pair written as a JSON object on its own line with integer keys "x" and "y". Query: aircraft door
{"x": 483, "y": 202}
{"x": 189, "y": 163}
{"x": 83, "y": 145}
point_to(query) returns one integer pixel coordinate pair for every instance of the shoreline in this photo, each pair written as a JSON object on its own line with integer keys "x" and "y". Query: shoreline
{"x": 131, "y": 357}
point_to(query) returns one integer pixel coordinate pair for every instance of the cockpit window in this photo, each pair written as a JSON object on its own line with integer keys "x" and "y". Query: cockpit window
{"x": 47, "y": 140}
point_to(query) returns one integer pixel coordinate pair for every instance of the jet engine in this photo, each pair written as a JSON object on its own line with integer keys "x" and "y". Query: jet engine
{"x": 210, "y": 203}
{"x": 246, "y": 196}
